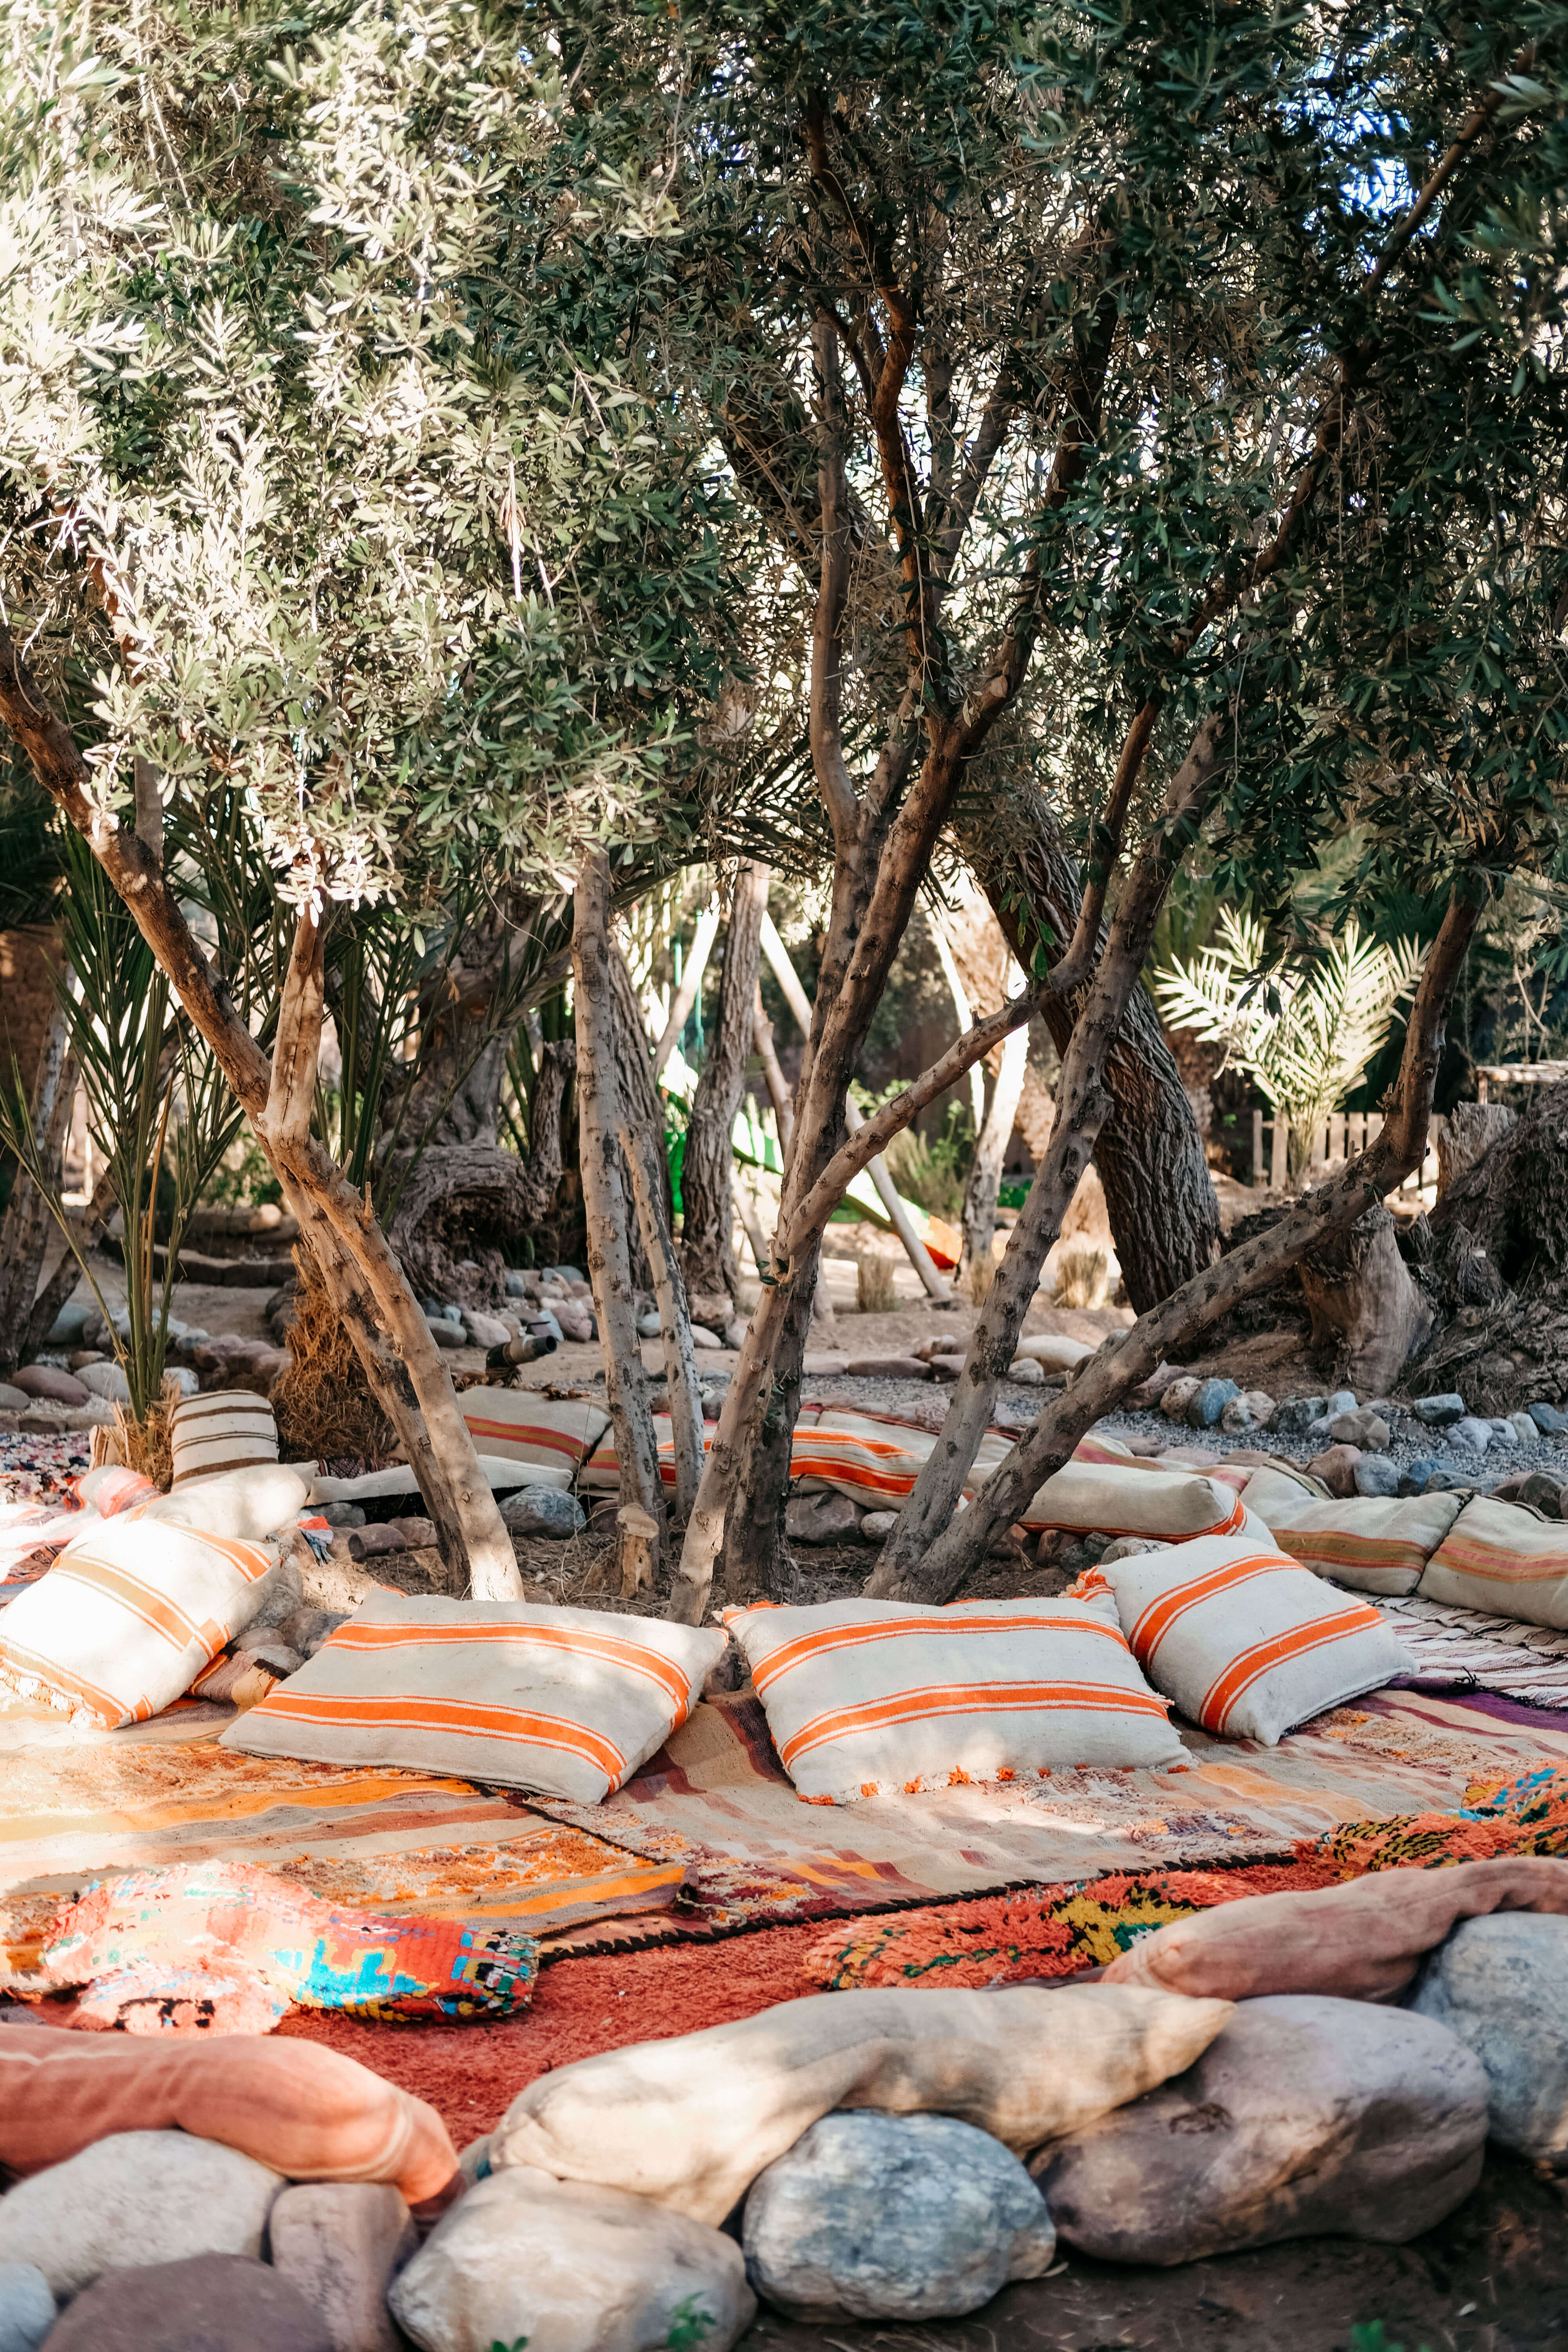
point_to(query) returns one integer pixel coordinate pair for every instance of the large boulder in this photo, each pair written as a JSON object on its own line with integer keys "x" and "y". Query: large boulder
{"x": 135, "y": 2198}
{"x": 893, "y": 2216}
{"x": 341, "y": 2242}
{"x": 1305, "y": 2116}
{"x": 214, "y": 2303}
{"x": 1502, "y": 1985}
{"x": 567, "y": 2267}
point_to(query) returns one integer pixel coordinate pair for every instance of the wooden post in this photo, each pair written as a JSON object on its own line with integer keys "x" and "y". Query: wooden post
{"x": 1258, "y": 1179}
{"x": 1280, "y": 1166}
{"x": 604, "y": 1196}
{"x": 636, "y": 1548}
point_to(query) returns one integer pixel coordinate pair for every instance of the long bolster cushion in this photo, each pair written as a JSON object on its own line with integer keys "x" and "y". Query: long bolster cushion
{"x": 309, "y": 2112}
{"x": 1375, "y": 1543}
{"x": 1505, "y": 1560}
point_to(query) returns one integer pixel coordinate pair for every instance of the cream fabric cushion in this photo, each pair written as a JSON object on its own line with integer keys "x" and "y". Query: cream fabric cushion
{"x": 521, "y": 1425}
{"x": 566, "y": 1701}
{"x": 1503, "y": 1559}
{"x": 1106, "y": 1498}
{"x": 399, "y": 1479}
{"x": 249, "y": 1504}
{"x": 1244, "y": 1640}
{"x": 1375, "y": 1543}
{"x": 228, "y": 1429}
{"x": 1279, "y": 1492}
{"x": 868, "y": 1697}
{"x": 129, "y": 1615}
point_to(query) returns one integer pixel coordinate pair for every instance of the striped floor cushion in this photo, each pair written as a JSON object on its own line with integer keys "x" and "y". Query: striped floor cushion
{"x": 874, "y": 1697}
{"x": 566, "y": 1702}
{"x": 129, "y": 1615}
{"x": 1243, "y": 1639}
{"x": 521, "y": 1425}
{"x": 1503, "y": 1558}
{"x": 1374, "y": 1543}
{"x": 1124, "y": 1499}
{"x": 226, "y": 1431}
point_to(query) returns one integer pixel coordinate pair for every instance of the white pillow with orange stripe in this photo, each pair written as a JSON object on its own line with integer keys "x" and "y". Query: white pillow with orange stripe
{"x": 1501, "y": 1559}
{"x": 567, "y": 1702}
{"x": 521, "y": 1425}
{"x": 129, "y": 1615}
{"x": 1377, "y": 1543}
{"x": 1104, "y": 1498}
{"x": 878, "y": 1698}
{"x": 1244, "y": 1640}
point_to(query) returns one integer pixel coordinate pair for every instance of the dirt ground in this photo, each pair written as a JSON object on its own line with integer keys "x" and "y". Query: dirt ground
{"x": 1492, "y": 2279}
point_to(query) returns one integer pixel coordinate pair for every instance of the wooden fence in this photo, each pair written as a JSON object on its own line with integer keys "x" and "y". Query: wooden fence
{"x": 1341, "y": 1137}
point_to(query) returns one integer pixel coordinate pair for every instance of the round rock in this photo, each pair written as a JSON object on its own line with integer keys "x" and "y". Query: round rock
{"x": 27, "y": 2307}
{"x": 46, "y": 1386}
{"x": 214, "y": 2303}
{"x": 1375, "y": 1475}
{"x": 1502, "y": 1985}
{"x": 1336, "y": 1468}
{"x": 107, "y": 1380}
{"x": 1440, "y": 1411}
{"x": 1305, "y": 2116}
{"x": 132, "y": 2198}
{"x": 893, "y": 2216}
{"x": 543, "y": 1511}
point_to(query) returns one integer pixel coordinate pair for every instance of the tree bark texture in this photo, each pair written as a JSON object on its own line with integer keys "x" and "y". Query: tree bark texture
{"x": 1364, "y": 1304}
{"x": 649, "y": 1173}
{"x": 600, "y": 1116}
{"x": 641, "y": 1106}
{"x": 26, "y": 1227}
{"x": 471, "y": 1201}
{"x": 368, "y": 1286}
{"x": 991, "y": 1153}
{"x": 1104, "y": 1379}
{"x": 707, "y": 1250}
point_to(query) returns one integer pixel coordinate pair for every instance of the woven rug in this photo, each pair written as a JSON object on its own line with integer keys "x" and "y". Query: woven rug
{"x": 1462, "y": 1649}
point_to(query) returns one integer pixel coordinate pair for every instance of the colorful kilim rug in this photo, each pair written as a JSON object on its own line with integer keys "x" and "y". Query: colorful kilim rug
{"x": 1463, "y": 1649}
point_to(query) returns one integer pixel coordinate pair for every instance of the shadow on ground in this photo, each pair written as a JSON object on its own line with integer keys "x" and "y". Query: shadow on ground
{"x": 1493, "y": 2279}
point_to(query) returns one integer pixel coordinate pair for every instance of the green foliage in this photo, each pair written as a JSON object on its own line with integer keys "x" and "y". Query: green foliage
{"x": 1307, "y": 1036}
{"x": 1370, "y": 2335}
{"x": 689, "y": 2325}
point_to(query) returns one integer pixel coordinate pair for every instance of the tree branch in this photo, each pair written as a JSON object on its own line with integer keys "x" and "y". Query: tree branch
{"x": 833, "y": 588}
{"x": 291, "y": 1088}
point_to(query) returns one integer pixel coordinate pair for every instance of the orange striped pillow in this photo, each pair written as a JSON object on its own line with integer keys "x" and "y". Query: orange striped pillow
{"x": 1244, "y": 1641}
{"x": 1503, "y": 1559}
{"x": 129, "y": 1615}
{"x": 870, "y": 1697}
{"x": 521, "y": 1425}
{"x": 1375, "y": 1543}
{"x": 1111, "y": 1498}
{"x": 568, "y": 1702}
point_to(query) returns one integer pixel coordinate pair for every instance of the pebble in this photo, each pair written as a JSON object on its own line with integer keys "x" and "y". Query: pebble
{"x": 1208, "y": 1402}
{"x": 563, "y": 2264}
{"x": 821, "y": 1518}
{"x": 68, "y": 1325}
{"x": 1305, "y": 2116}
{"x": 1523, "y": 1428}
{"x": 1363, "y": 1428}
{"x": 1028, "y": 1373}
{"x": 50, "y": 1387}
{"x": 1470, "y": 1435}
{"x": 13, "y": 1399}
{"x": 1542, "y": 1492}
{"x": 1296, "y": 1415}
{"x": 1237, "y": 1415}
{"x": 445, "y": 1334}
{"x": 431, "y": 1307}
{"x": 1176, "y": 1398}
{"x": 1374, "y": 1474}
{"x": 1547, "y": 1418}
{"x": 516, "y": 1287}
{"x": 542, "y": 1511}
{"x": 876, "y": 2216}
{"x": 486, "y": 1330}
{"x": 946, "y": 1368}
{"x": 343, "y": 1515}
{"x": 1343, "y": 1401}
{"x": 649, "y": 1327}
{"x": 1440, "y": 1411}
{"x": 1336, "y": 1468}
{"x": 1446, "y": 1482}
{"x": 702, "y": 1338}
{"x": 1502, "y": 1985}
{"x": 1412, "y": 1477}
{"x": 341, "y": 2244}
{"x": 576, "y": 1323}
{"x": 878, "y": 1526}
{"x": 215, "y": 2303}
{"x": 27, "y": 2307}
{"x": 135, "y": 2198}
{"x": 107, "y": 1380}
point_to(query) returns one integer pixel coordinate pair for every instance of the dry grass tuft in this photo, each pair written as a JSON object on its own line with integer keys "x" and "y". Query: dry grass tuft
{"x": 873, "y": 1290}
{"x": 322, "y": 1401}
{"x": 147, "y": 1446}
{"x": 1083, "y": 1278}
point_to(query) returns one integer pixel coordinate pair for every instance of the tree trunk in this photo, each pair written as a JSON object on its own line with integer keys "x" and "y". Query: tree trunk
{"x": 649, "y": 1173}
{"x": 1364, "y": 1304}
{"x": 28, "y": 1219}
{"x": 468, "y": 1201}
{"x": 1158, "y": 1191}
{"x": 367, "y": 1283}
{"x": 991, "y": 1153}
{"x": 1467, "y": 1135}
{"x": 708, "y": 1210}
{"x": 640, "y": 1107}
{"x": 600, "y": 1116}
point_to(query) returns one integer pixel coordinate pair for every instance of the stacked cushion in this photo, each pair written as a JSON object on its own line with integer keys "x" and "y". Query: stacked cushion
{"x": 1504, "y": 1560}
{"x": 521, "y": 1425}
{"x": 1168, "y": 1506}
{"x": 1244, "y": 1641}
{"x": 226, "y": 1431}
{"x": 1375, "y": 1543}
{"x": 568, "y": 1702}
{"x": 868, "y": 1697}
{"x": 129, "y": 1615}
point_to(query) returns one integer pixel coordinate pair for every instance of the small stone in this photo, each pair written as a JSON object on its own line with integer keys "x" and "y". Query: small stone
{"x": 343, "y": 1515}
{"x": 1261, "y": 1405}
{"x": 215, "y": 2303}
{"x": 1542, "y": 1492}
{"x": 1363, "y": 1428}
{"x": 107, "y": 1380}
{"x": 265, "y": 1367}
{"x": 1470, "y": 1435}
{"x": 418, "y": 1534}
{"x": 1026, "y": 1372}
{"x": 1523, "y": 1428}
{"x": 50, "y": 1387}
{"x": 1375, "y": 1473}
{"x": 485, "y": 1330}
{"x": 702, "y": 1338}
{"x": 542, "y": 1511}
{"x": 576, "y": 1324}
{"x": 895, "y": 1368}
{"x": 1209, "y": 1400}
{"x": 1502, "y": 1985}
{"x": 1440, "y": 1411}
{"x": 565, "y": 2263}
{"x": 27, "y": 2307}
{"x": 1343, "y": 1401}
{"x": 1307, "y": 2116}
{"x": 1128, "y": 1548}
{"x": 1546, "y": 1417}
{"x": 876, "y": 1526}
{"x": 516, "y": 1287}
{"x": 571, "y": 1273}
{"x": 1445, "y": 1481}
{"x": 876, "y": 2216}
{"x": 821, "y": 1518}
{"x": 1147, "y": 1395}
{"x": 445, "y": 1334}
{"x": 1336, "y": 1468}
{"x": 1503, "y": 1431}
{"x": 649, "y": 1327}
{"x": 68, "y": 1325}
{"x": 1237, "y": 1416}
{"x": 1177, "y": 1396}
{"x": 135, "y": 2198}
{"x": 13, "y": 1399}
{"x": 1295, "y": 1415}
{"x": 342, "y": 2243}
{"x": 946, "y": 1368}
{"x": 431, "y": 1307}
{"x": 823, "y": 1363}
{"x": 735, "y": 1331}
